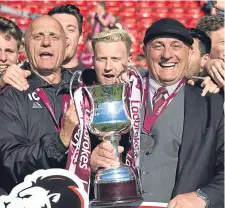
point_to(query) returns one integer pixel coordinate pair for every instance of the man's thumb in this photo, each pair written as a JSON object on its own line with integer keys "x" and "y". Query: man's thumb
{"x": 27, "y": 73}
{"x": 120, "y": 149}
{"x": 191, "y": 82}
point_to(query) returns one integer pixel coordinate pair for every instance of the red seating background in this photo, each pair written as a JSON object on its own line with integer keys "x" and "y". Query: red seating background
{"x": 135, "y": 16}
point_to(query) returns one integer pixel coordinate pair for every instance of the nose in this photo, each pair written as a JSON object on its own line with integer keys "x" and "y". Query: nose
{"x": 167, "y": 53}
{"x": 46, "y": 42}
{"x": 3, "y": 56}
{"x": 108, "y": 65}
{"x": 66, "y": 33}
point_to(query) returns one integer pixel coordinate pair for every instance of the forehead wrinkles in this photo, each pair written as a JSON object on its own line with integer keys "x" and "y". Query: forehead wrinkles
{"x": 46, "y": 31}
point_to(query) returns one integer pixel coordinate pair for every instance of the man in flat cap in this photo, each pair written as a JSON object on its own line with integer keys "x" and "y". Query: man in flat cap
{"x": 180, "y": 152}
{"x": 184, "y": 162}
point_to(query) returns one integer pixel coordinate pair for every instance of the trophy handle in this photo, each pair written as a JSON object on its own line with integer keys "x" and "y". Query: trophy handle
{"x": 75, "y": 74}
{"x": 91, "y": 102}
{"x": 132, "y": 69}
{"x": 135, "y": 83}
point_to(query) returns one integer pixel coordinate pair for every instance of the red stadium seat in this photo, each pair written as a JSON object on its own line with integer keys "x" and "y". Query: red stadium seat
{"x": 145, "y": 12}
{"x": 23, "y": 21}
{"x": 182, "y": 20}
{"x": 145, "y": 23}
{"x": 44, "y": 9}
{"x": 161, "y": 4}
{"x": 160, "y": 13}
{"x": 83, "y": 9}
{"x": 13, "y": 4}
{"x": 191, "y": 4}
{"x": 113, "y": 4}
{"x": 129, "y": 9}
{"x": 194, "y": 22}
{"x": 128, "y": 15}
{"x": 128, "y": 4}
{"x": 136, "y": 48}
{"x": 194, "y": 10}
{"x": 130, "y": 23}
{"x": 144, "y": 4}
{"x": 79, "y": 3}
{"x": 114, "y": 10}
{"x": 135, "y": 33}
{"x": 178, "y": 10}
{"x": 194, "y": 13}
{"x": 175, "y": 15}
{"x": 177, "y": 4}
{"x": 31, "y": 8}
{"x": 92, "y": 5}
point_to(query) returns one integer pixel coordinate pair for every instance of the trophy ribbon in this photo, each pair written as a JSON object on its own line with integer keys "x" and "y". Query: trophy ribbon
{"x": 78, "y": 160}
{"x": 136, "y": 100}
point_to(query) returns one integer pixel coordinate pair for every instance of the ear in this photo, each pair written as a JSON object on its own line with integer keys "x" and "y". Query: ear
{"x": 54, "y": 197}
{"x": 80, "y": 39}
{"x": 129, "y": 59}
{"x": 144, "y": 50}
{"x": 93, "y": 60}
{"x": 191, "y": 52}
{"x": 204, "y": 59}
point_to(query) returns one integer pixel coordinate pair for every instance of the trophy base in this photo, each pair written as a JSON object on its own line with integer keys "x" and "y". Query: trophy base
{"x": 115, "y": 194}
{"x": 112, "y": 203}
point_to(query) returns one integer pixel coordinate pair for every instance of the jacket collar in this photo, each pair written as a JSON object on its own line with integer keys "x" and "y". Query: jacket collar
{"x": 36, "y": 81}
{"x": 192, "y": 121}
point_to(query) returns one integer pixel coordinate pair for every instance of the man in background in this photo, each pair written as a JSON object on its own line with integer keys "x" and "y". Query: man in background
{"x": 10, "y": 42}
{"x": 86, "y": 57}
{"x": 71, "y": 19}
{"x": 141, "y": 64}
{"x": 214, "y": 27}
{"x": 201, "y": 50}
{"x": 100, "y": 20}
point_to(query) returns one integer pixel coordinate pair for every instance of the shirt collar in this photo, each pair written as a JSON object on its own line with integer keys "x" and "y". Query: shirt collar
{"x": 154, "y": 86}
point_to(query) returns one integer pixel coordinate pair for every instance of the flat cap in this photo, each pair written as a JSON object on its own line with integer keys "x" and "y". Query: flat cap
{"x": 168, "y": 27}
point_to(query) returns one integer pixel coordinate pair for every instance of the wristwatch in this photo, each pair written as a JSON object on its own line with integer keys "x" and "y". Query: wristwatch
{"x": 203, "y": 196}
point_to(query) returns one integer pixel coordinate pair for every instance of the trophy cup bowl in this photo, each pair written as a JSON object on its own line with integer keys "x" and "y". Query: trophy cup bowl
{"x": 109, "y": 119}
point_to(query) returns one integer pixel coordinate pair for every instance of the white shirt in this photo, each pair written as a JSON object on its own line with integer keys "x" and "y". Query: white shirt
{"x": 154, "y": 86}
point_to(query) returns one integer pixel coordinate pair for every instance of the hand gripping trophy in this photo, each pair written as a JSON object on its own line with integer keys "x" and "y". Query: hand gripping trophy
{"x": 112, "y": 114}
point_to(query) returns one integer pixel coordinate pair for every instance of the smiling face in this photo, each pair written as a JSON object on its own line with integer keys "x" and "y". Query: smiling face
{"x": 71, "y": 29}
{"x": 45, "y": 44}
{"x": 109, "y": 59}
{"x": 8, "y": 51}
{"x": 167, "y": 59}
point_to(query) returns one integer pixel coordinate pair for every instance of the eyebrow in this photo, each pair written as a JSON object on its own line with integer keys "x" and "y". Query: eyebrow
{"x": 174, "y": 41}
{"x": 42, "y": 33}
{"x": 9, "y": 49}
{"x": 157, "y": 41}
{"x": 53, "y": 33}
{"x": 71, "y": 26}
